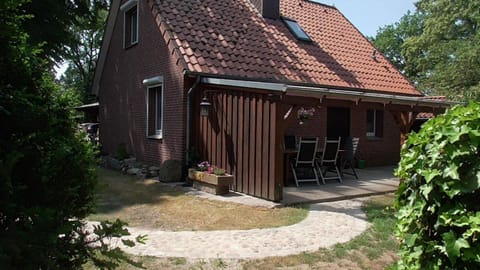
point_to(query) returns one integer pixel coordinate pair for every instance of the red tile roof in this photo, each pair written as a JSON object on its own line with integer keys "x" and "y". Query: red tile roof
{"x": 427, "y": 115}
{"x": 230, "y": 38}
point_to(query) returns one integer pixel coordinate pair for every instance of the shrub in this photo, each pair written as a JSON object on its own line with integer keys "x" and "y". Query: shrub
{"x": 437, "y": 200}
{"x": 47, "y": 171}
{"x": 121, "y": 152}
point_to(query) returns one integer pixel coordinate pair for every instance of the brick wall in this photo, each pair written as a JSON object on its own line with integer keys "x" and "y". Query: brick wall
{"x": 123, "y": 103}
{"x": 123, "y": 97}
{"x": 376, "y": 151}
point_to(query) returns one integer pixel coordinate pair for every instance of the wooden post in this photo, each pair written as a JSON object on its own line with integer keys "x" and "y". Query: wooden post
{"x": 404, "y": 120}
{"x": 281, "y": 126}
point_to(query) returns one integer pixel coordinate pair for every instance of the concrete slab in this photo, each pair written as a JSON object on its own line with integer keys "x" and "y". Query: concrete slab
{"x": 372, "y": 181}
{"x": 235, "y": 197}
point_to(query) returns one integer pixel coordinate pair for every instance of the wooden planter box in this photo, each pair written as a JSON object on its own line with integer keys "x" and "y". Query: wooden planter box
{"x": 211, "y": 183}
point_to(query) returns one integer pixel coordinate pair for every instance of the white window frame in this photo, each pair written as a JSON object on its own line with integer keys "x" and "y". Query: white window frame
{"x": 158, "y": 130}
{"x": 151, "y": 83}
{"x": 127, "y": 6}
{"x": 134, "y": 35}
{"x": 372, "y": 133}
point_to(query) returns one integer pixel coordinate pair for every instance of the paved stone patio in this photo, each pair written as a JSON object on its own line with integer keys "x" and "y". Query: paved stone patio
{"x": 326, "y": 225}
{"x": 335, "y": 216}
{"x": 372, "y": 181}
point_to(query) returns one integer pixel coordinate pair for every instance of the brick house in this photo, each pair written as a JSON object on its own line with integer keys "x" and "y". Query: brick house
{"x": 256, "y": 62}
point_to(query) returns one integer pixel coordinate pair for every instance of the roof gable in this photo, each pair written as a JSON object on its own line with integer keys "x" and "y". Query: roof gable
{"x": 230, "y": 38}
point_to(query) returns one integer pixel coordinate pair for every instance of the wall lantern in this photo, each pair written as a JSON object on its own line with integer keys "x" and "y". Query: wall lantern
{"x": 205, "y": 106}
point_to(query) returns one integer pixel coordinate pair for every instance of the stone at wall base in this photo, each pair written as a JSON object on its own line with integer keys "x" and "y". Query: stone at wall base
{"x": 170, "y": 171}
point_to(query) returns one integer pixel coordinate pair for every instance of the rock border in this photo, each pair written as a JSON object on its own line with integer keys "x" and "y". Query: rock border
{"x": 130, "y": 166}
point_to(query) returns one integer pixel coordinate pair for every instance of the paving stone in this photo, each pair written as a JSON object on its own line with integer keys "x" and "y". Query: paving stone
{"x": 327, "y": 224}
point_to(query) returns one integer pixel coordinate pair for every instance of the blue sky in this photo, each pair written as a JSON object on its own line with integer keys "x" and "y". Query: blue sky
{"x": 369, "y": 15}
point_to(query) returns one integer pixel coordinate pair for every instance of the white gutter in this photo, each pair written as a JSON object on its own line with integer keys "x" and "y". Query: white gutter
{"x": 322, "y": 92}
{"x": 245, "y": 84}
{"x": 364, "y": 96}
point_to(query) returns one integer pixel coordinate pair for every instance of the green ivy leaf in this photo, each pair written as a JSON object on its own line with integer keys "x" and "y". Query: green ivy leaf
{"x": 470, "y": 182}
{"x": 453, "y": 245}
{"x": 437, "y": 201}
{"x": 430, "y": 174}
{"x": 411, "y": 239}
{"x": 452, "y": 171}
{"x": 426, "y": 191}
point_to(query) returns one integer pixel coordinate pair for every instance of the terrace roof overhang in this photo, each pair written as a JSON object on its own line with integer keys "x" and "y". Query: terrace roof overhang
{"x": 332, "y": 93}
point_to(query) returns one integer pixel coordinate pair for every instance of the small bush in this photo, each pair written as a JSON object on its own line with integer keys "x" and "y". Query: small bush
{"x": 121, "y": 152}
{"x": 437, "y": 200}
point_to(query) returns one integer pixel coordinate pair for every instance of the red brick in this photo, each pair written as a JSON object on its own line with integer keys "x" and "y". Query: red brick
{"x": 122, "y": 95}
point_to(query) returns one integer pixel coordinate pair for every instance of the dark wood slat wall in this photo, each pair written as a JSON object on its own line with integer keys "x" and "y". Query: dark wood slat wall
{"x": 258, "y": 148}
{"x": 265, "y": 148}
{"x": 252, "y": 128}
{"x": 246, "y": 146}
{"x": 239, "y": 135}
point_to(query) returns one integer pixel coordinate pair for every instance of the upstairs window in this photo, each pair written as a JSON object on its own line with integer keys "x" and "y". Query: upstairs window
{"x": 374, "y": 123}
{"x": 297, "y": 30}
{"x": 130, "y": 33}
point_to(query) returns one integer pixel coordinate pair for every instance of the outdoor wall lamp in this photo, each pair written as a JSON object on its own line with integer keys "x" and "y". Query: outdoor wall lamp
{"x": 205, "y": 106}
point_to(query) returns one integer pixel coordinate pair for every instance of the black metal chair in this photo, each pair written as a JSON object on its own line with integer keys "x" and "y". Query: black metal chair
{"x": 350, "y": 148}
{"x": 305, "y": 160}
{"x": 328, "y": 162}
{"x": 290, "y": 142}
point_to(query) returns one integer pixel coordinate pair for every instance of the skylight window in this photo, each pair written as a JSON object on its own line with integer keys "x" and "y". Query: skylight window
{"x": 297, "y": 30}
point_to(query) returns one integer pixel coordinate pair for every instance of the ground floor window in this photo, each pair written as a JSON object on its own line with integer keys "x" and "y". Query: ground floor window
{"x": 155, "y": 111}
{"x": 374, "y": 123}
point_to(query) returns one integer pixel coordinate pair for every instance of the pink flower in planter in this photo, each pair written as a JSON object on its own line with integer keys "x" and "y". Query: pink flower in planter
{"x": 203, "y": 166}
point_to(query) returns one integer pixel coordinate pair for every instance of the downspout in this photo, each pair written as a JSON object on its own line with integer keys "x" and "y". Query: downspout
{"x": 189, "y": 109}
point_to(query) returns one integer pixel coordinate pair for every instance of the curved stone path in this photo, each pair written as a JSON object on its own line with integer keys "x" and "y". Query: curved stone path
{"x": 327, "y": 224}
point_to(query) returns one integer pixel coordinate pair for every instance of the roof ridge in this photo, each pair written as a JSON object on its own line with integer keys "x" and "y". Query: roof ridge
{"x": 229, "y": 38}
{"x": 377, "y": 51}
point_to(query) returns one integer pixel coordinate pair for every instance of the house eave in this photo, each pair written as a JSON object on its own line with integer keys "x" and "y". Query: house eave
{"x": 102, "y": 57}
{"x": 326, "y": 92}
{"x": 278, "y": 87}
{"x": 322, "y": 92}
